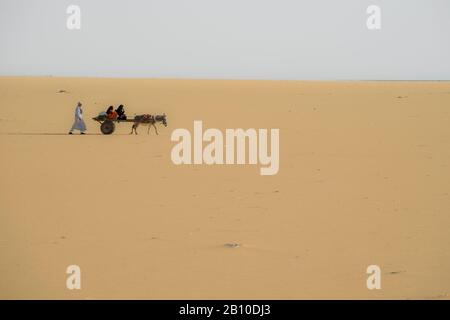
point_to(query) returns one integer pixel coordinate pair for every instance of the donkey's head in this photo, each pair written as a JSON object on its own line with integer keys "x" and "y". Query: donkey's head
{"x": 162, "y": 118}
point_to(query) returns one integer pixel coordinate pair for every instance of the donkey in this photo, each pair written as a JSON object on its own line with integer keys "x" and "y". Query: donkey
{"x": 148, "y": 120}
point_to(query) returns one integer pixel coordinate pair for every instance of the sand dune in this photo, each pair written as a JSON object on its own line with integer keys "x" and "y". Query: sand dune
{"x": 364, "y": 179}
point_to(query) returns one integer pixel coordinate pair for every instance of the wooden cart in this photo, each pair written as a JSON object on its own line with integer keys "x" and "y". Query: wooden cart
{"x": 107, "y": 126}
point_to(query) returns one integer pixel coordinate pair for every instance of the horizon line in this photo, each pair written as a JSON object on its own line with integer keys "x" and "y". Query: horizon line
{"x": 225, "y": 79}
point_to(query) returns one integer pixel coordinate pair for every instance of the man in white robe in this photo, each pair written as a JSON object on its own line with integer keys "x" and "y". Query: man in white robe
{"x": 79, "y": 122}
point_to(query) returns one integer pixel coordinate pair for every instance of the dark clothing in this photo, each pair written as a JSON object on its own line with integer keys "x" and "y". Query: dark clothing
{"x": 121, "y": 113}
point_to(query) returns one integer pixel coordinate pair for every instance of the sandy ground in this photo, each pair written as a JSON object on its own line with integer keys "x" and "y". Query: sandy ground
{"x": 364, "y": 179}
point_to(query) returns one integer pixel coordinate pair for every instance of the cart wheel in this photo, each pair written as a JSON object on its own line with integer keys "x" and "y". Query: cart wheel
{"x": 107, "y": 127}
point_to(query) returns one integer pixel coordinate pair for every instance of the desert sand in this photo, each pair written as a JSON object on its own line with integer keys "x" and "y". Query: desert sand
{"x": 364, "y": 179}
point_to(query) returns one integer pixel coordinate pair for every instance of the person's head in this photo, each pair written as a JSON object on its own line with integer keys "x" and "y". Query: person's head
{"x": 120, "y": 107}
{"x": 79, "y": 104}
{"x": 110, "y": 109}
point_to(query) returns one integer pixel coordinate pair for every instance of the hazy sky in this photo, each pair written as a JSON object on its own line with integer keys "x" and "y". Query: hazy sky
{"x": 237, "y": 39}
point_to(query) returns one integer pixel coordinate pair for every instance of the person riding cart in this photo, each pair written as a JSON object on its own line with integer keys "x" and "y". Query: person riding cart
{"x": 121, "y": 113}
